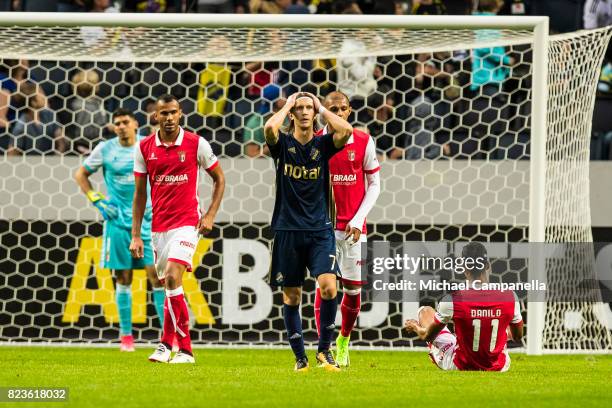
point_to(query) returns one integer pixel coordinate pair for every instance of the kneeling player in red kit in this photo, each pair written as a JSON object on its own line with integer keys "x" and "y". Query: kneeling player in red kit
{"x": 481, "y": 319}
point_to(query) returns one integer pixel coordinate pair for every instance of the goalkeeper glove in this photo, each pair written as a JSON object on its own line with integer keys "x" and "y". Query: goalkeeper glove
{"x": 109, "y": 211}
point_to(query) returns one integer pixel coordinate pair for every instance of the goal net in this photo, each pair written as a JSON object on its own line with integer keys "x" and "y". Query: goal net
{"x": 482, "y": 126}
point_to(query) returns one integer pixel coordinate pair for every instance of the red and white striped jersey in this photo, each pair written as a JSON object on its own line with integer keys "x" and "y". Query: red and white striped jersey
{"x": 173, "y": 172}
{"x": 348, "y": 169}
{"x": 481, "y": 319}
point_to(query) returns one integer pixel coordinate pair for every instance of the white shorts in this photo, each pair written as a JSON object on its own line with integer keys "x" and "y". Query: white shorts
{"x": 349, "y": 258}
{"x": 177, "y": 245}
{"x": 442, "y": 352}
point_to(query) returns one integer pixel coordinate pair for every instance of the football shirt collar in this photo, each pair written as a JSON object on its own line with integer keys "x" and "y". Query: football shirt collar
{"x": 178, "y": 141}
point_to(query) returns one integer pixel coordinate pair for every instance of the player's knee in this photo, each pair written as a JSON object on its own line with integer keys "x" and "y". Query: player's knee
{"x": 292, "y": 298}
{"x": 171, "y": 281}
{"x": 124, "y": 277}
{"x": 328, "y": 291}
{"x": 174, "y": 275}
{"x": 153, "y": 278}
{"x": 155, "y": 282}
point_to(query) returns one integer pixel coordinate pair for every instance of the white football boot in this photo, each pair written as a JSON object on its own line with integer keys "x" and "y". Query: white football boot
{"x": 182, "y": 358}
{"x": 161, "y": 354}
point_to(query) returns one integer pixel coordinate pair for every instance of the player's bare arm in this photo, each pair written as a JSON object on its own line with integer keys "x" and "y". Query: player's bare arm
{"x": 81, "y": 176}
{"x": 205, "y": 224}
{"x": 516, "y": 331}
{"x": 342, "y": 129}
{"x": 108, "y": 211}
{"x": 428, "y": 333}
{"x": 138, "y": 209}
{"x": 273, "y": 125}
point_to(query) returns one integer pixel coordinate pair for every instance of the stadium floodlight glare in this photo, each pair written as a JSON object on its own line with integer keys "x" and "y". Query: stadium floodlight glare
{"x": 446, "y": 190}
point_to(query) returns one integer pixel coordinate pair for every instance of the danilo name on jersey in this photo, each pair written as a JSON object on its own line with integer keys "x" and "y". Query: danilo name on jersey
{"x": 485, "y": 313}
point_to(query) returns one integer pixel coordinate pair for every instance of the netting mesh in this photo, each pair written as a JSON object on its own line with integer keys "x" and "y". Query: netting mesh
{"x": 573, "y": 74}
{"x": 455, "y": 162}
{"x": 233, "y": 44}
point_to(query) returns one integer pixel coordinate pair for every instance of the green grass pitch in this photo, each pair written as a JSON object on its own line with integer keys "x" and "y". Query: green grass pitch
{"x": 264, "y": 378}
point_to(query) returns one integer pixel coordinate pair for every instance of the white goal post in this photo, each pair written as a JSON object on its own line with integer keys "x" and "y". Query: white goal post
{"x": 525, "y": 195}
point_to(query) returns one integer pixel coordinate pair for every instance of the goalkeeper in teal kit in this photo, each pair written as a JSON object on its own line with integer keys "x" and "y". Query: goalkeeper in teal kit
{"x": 116, "y": 159}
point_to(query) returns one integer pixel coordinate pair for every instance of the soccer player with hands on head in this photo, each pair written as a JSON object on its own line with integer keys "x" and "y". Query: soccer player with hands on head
{"x": 482, "y": 320}
{"x": 116, "y": 159}
{"x": 303, "y": 233}
{"x": 350, "y": 169}
{"x": 171, "y": 159}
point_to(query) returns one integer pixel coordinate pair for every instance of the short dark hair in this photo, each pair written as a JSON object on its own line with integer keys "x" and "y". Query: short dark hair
{"x": 475, "y": 250}
{"x": 166, "y": 98}
{"x": 123, "y": 112}
{"x": 490, "y": 6}
{"x": 336, "y": 94}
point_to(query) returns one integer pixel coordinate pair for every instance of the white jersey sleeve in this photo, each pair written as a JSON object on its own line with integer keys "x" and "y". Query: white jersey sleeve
{"x": 370, "y": 168}
{"x": 444, "y": 313}
{"x": 94, "y": 161}
{"x": 140, "y": 166}
{"x": 371, "y": 195}
{"x": 206, "y": 158}
{"x": 370, "y": 161}
{"x": 517, "y": 317}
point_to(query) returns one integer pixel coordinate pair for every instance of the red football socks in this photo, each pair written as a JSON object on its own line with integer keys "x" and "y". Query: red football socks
{"x": 317, "y": 310}
{"x": 176, "y": 319}
{"x": 350, "y": 310}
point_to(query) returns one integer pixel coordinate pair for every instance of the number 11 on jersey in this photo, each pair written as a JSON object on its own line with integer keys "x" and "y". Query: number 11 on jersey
{"x": 494, "y": 326}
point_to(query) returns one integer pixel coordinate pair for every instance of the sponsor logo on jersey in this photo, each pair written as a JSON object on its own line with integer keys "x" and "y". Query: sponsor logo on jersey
{"x": 181, "y": 155}
{"x": 344, "y": 178}
{"x": 291, "y": 149}
{"x": 170, "y": 179}
{"x": 187, "y": 244}
{"x": 351, "y": 155}
{"x": 301, "y": 172}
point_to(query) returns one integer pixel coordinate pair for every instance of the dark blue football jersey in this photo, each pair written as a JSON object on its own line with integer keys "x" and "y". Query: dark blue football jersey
{"x": 302, "y": 183}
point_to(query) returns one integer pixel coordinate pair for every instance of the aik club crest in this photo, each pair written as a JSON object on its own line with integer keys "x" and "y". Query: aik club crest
{"x": 181, "y": 155}
{"x": 351, "y": 155}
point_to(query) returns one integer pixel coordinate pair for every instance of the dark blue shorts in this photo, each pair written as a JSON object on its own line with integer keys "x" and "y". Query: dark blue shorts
{"x": 294, "y": 251}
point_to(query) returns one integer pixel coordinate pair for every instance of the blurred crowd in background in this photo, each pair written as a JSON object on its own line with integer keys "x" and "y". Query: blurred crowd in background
{"x": 460, "y": 104}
